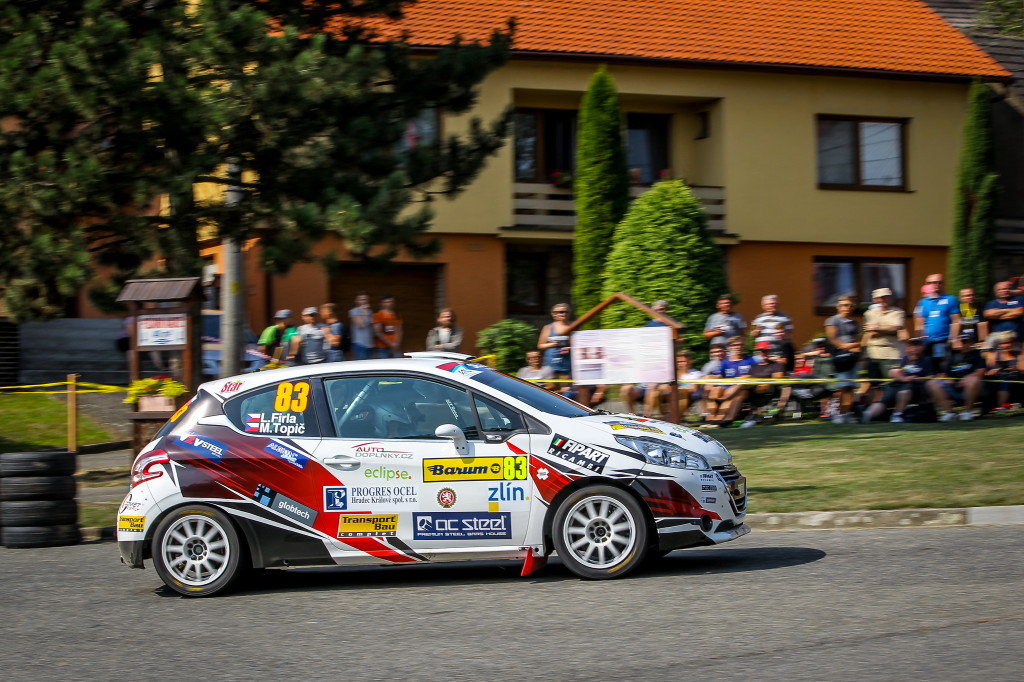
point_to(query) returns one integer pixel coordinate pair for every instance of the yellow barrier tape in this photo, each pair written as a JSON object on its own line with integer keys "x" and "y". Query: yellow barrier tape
{"x": 783, "y": 381}
{"x": 86, "y": 387}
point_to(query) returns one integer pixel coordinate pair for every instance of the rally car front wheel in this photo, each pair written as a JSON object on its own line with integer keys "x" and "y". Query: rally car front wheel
{"x": 196, "y": 551}
{"x": 600, "y": 532}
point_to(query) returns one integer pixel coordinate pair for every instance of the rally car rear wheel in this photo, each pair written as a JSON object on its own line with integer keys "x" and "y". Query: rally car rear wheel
{"x": 196, "y": 551}
{"x": 600, "y": 532}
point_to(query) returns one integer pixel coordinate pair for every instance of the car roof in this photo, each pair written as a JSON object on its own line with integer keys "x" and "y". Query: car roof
{"x": 421, "y": 362}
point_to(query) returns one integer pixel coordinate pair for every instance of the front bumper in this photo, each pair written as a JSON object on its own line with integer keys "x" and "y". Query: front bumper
{"x": 677, "y": 533}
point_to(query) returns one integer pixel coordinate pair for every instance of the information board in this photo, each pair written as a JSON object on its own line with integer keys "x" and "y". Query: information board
{"x": 161, "y": 331}
{"x": 636, "y": 355}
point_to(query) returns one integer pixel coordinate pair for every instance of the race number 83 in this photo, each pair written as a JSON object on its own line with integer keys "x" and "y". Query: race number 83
{"x": 291, "y": 397}
{"x": 515, "y": 468}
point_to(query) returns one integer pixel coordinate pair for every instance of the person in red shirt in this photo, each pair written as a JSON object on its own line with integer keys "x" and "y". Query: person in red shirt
{"x": 387, "y": 329}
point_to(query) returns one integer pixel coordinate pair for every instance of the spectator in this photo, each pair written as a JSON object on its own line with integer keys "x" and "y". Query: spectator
{"x": 334, "y": 332}
{"x": 724, "y": 409}
{"x": 724, "y": 324}
{"x": 688, "y": 393}
{"x": 774, "y": 327}
{"x": 1005, "y": 313}
{"x": 387, "y": 329}
{"x": 1004, "y": 362}
{"x": 554, "y": 341}
{"x": 712, "y": 393}
{"x": 278, "y": 336}
{"x": 973, "y": 325}
{"x": 768, "y": 364}
{"x": 714, "y": 364}
{"x": 660, "y": 307}
{"x": 962, "y": 382}
{"x": 911, "y": 386}
{"x": 445, "y": 336}
{"x": 361, "y": 327}
{"x": 937, "y": 318}
{"x": 843, "y": 335}
{"x": 884, "y": 327}
{"x": 535, "y": 370}
{"x": 309, "y": 344}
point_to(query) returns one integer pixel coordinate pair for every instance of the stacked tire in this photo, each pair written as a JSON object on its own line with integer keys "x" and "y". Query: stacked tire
{"x": 37, "y": 499}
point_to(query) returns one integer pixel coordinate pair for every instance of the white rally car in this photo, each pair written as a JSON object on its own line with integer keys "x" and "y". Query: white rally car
{"x": 430, "y": 457}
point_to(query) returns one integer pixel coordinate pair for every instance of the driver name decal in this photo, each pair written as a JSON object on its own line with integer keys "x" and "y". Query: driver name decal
{"x": 577, "y": 453}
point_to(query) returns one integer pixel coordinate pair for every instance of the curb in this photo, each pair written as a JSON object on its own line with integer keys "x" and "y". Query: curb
{"x": 889, "y": 518}
{"x": 829, "y": 520}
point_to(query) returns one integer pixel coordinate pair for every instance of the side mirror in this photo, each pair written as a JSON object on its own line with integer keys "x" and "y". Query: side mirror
{"x": 455, "y": 434}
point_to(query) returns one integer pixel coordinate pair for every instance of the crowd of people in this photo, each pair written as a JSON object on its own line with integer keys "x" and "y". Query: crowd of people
{"x": 960, "y": 360}
{"x": 325, "y": 336}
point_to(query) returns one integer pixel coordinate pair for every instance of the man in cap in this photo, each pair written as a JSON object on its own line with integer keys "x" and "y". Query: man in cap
{"x": 277, "y": 335}
{"x": 884, "y": 327}
{"x": 309, "y": 345}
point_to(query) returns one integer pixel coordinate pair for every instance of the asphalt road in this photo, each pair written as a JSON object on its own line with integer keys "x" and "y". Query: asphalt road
{"x": 894, "y": 604}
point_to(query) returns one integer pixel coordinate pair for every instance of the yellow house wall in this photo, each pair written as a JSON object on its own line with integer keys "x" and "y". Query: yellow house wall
{"x": 762, "y": 148}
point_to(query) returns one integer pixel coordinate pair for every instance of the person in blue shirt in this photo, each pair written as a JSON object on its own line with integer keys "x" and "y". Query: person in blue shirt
{"x": 660, "y": 307}
{"x": 937, "y": 319}
{"x": 735, "y": 366}
{"x": 1005, "y": 313}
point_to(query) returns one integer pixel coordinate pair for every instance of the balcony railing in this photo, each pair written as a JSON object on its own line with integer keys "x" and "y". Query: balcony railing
{"x": 543, "y": 207}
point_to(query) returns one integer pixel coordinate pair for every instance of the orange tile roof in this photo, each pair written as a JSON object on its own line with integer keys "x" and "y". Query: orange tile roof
{"x": 902, "y": 36}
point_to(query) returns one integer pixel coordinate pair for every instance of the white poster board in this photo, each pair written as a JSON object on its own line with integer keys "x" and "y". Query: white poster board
{"x": 636, "y": 355}
{"x": 161, "y": 331}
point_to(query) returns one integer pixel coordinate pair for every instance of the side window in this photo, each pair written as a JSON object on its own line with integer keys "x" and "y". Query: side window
{"x": 284, "y": 409}
{"x": 497, "y": 418}
{"x": 396, "y": 407}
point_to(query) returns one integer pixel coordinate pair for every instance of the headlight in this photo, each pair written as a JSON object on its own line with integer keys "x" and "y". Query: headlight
{"x": 658, "y": 451}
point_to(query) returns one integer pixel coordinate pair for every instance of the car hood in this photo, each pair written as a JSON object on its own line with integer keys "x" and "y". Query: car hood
{"x": 627, "y": 425}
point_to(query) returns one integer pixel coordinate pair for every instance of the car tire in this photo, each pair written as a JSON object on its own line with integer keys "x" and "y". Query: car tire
{"x": 600, "y": 532}
{"x": 38, "y": 513}
{"x": 40, "y": 536}
{"x": 37, "y": 488}
{"x": 196, "y": 551}
{"x": 37, "y": 464}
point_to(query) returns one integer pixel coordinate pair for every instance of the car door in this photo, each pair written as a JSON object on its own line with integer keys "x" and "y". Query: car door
{"x": 397, "y": 479}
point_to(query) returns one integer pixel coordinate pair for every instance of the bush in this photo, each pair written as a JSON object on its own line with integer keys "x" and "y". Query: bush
{"x": 508, "y": 340}
{"x": 663, "y": 250}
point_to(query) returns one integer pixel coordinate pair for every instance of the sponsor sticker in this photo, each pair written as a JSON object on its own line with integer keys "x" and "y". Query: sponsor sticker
{"x": 207, "y": 447}
{"x": 708, "y": 500}
{"x": 709, "y": 488}
{"x": 132, "y": 505}
{"x": 709, "y": 477}
{"x": 465, "y": 369}
{"x": 371, "y": 498}
{"x": 285, "y": 505}
{"x": 618, "y": 426}
{"x": 276, "y": 424}
{"x": 131, "y": 524}
{"x": 543, "y": 473}
{"x": 507, "y": 496}
{"x": 388, "y": 473}
{"x": 281, "y": 451}
{"x": 577, "y": 453}
{"x": 462, "y": 526}
{"x": 446, "y": 498}
{"x": 230, "y": 386}
{"x": 367, "y": 525}
{"x": 181, "y": 410}
{"x": 374, "y": 449}
{"x": 514, "y": 468}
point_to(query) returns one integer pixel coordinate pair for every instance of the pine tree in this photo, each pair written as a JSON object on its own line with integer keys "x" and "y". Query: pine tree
{"x": 1005, "y": 16}
{"x": 601, "y": 186}
{"x": 112, "y": 109}
{"x": 663, "y": 250}
{"x": 970, "y": 254}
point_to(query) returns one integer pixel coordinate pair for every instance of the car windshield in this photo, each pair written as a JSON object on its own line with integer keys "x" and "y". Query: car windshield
{"x": 532, "y": 395}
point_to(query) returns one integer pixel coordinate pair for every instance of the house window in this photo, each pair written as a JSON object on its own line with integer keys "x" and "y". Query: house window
{"x": 647, "y": 146}
{"x": 545, "y": 144}
{"x": 861, "y": 153}
{"x": 857, "y": 277}
{"x": 525, "y": 282}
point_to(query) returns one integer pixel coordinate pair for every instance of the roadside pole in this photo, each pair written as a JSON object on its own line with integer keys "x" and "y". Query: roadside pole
{"x": 232, "y": 286}
{"x": 72, "y": 413}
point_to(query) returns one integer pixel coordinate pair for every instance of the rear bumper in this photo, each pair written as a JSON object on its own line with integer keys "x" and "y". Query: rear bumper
{"x": 131, "y": 552}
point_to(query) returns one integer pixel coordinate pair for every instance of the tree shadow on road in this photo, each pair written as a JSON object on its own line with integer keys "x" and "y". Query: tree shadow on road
{"x": 683, "y": 562}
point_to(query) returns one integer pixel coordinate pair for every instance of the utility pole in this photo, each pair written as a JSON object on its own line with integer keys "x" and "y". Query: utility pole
{"x": 232, "y": 286}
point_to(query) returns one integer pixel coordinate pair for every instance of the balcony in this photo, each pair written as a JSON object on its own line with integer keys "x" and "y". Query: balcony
{"x": 542, "y": 207}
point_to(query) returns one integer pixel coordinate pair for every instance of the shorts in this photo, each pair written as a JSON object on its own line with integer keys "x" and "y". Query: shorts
{"x": 848, "y": 374}
{"x": 954, "y": 389}
{"x": 880, "y": 368}
{"x": 938, "y": 351}
{"x": 761, "y": 399}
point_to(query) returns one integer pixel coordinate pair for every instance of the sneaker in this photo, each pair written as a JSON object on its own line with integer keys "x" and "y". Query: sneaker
{"x": 947, "y": 416}
{"x": 967, "y": 415}
{"x": 897, "y": 418}
{"x": 747, "y": 424}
